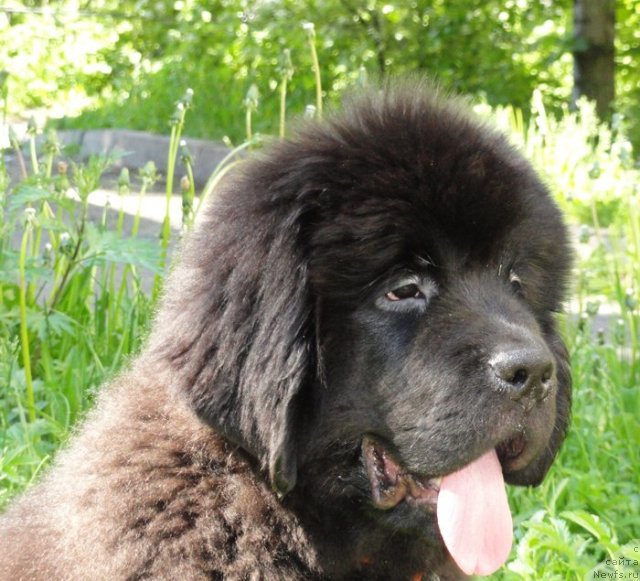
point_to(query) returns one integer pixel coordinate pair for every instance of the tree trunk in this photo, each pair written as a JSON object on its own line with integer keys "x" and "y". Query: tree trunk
{"x": 594, "y": 53}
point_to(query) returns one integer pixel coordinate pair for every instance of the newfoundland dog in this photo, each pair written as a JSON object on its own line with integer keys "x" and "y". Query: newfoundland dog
{"x": 355, "y": 351}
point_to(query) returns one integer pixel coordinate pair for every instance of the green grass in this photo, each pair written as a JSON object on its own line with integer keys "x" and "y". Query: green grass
{"x": 588, "y": 508}
{"x": 71, "y": 308}
{"x": 73, "y": 311}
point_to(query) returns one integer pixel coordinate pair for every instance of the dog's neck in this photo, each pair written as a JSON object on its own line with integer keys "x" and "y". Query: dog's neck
{"x": 360, "y": 549}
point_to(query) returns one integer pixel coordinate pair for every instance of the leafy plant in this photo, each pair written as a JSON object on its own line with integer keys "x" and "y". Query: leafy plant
{"x": 72, "y": 306}
{"x": 75, "y": 294}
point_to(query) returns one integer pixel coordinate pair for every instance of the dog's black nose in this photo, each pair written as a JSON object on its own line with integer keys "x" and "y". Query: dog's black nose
{"x": 524, "y": 371}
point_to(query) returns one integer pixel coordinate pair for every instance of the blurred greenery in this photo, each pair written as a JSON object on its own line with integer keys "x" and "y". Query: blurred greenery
{"x": 125, "y": 63}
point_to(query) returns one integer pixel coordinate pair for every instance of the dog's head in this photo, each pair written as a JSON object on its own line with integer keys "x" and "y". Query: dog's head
{"x": 369, "y": 307}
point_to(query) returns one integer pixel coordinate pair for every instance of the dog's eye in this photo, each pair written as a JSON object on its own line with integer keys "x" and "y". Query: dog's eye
{"x": 407, "y": 296}
{"x": 406, "y": 291}
{"x": 515, "y": 282}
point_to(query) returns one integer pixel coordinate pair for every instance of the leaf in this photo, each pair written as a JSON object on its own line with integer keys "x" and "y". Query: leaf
{"x": 27, "y": 193}
{"x": 590, "y": 523}
{"x": 56, "y": 323}
{"x": 107, "y": 246}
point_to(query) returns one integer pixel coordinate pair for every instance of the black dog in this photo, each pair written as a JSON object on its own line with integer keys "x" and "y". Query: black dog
{"x": 356, "y": 347}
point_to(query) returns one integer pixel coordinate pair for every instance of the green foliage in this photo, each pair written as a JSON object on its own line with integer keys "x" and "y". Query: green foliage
{"x": 248, "y": 40}
{"x": 53, "y": 58}
{"x": 131, "y": 61}
{"x": 124, "y": 64}
{"x": 71, "y": 308}
{"x": 627, "y": 59}
{"x": 73, "y": 303}
{"x": 591, "y": 498}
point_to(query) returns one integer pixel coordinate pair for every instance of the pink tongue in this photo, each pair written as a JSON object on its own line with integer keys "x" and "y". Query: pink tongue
{"x": 474, "y": 516}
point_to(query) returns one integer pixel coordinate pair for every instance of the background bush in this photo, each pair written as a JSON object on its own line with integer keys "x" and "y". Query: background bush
{"x": 130, "y": 61}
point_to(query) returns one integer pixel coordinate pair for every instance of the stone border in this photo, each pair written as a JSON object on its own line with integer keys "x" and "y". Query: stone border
{"x": 141, "y": 147}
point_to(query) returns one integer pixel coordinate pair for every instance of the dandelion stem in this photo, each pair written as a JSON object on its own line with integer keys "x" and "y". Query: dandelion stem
{"x": 176, "y": 130}
{"x": 16, "y": 147}
{"x": 34, "y": 158}
{"x": 24, "y": 330}
{"x": 286, "y": 72}
{"x": 247, "y": 124}
{"x": 283, "y": 105}
{"x": 311, "y": 35}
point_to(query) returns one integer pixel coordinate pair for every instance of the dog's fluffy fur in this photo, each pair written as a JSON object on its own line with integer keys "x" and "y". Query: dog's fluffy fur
{"x": 354, "y": 281}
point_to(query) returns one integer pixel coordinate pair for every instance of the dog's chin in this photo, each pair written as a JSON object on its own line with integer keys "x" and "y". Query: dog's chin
{"x": 531, "y": 473}
{"x": 521, "y": 457}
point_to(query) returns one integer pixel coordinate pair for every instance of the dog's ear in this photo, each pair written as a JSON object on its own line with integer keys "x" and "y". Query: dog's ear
{"x": 236, "y": 322}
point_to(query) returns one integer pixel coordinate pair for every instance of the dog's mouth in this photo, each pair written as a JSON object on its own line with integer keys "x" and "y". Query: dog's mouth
{"x": 391, "y": 483}
{"x": 511, "y": 452}
{"x": 470, "y": 504}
